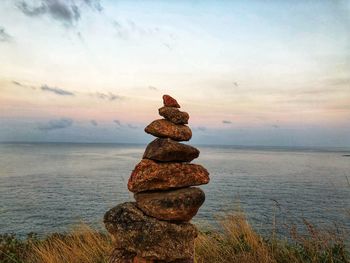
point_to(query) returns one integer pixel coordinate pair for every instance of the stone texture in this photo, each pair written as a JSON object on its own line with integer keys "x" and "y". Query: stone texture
{"x": 169, "y": 101}
{"x": 121, "y": 256}
{"x": 147, "y": 237}
{"x": 167, "y": 150}
{"x": 174, "y": 205}
{"x": 174, "y": 115}
{"x": 165, "y": 129}
{"x": 149, "y": 175}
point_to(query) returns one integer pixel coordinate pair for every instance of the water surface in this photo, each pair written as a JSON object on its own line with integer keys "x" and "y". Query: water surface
{"x": 50, "y": 187}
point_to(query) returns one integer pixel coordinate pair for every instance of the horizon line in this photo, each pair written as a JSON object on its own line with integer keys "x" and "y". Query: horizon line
{"x": 304, "y": 147}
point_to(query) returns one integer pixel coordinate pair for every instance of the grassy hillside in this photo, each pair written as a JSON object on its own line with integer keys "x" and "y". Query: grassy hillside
{"x": 235, "y": 241}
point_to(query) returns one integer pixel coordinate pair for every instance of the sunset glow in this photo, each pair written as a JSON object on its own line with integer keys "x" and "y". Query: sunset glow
{"x": 265, "y": 73}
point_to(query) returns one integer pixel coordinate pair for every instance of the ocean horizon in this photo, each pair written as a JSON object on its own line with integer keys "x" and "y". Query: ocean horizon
{"x": 50, "y": 187}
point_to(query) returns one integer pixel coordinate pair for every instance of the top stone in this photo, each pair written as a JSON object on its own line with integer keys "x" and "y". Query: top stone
{"x": 169, "y": 101}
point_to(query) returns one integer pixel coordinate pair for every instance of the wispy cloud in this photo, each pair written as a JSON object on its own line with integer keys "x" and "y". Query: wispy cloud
{"x": 131, "y": 126}
{"x": 22, "y": 85}
{"x": 201, "y": 128}
{"x": 129, "y": 29}
{"x": 153, "y": 88}
{"x": 67, "y": 12}
{"x": 117, "y": 122}
{"x": 4, "y": 36}
{"x": 95, "y": 4}
{"x": 276, "y": 126}
{"x": 107, "y": 96}
{"x": 56, "y": 124}
{"x": 226, "y": 122}
{"x": 94, "y": 123}
{"x": 57, "y": 91}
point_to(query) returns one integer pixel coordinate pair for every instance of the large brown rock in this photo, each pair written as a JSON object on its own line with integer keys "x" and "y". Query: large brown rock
{"x": 149, "y": 175}
{"x": 174, "y": 115}
{"x": 167, "y": 150}
{"x": 173, "y": 205}
{"x": 147, "y": 237}
{"x": 165, "y": 129}
{"x": 169, "y": 101}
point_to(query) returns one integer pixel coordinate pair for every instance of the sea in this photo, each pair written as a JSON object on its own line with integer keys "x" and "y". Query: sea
{"x": 53, "y": 187}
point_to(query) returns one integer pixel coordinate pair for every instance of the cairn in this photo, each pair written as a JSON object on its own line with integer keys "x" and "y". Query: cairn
{"x": 156, "y": 227}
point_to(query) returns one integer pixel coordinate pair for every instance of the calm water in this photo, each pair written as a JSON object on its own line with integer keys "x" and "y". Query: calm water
{"x": 51, "y": 187}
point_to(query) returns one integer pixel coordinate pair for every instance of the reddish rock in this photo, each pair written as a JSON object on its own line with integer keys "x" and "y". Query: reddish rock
{"x": 165, "y": 129}
{"x": 167, "y": 150}
{"x": 147, "y": 237}
{"x": 174, "y": 115}
{"x": 173, "y": 205}
{"x": 149, "y": 175}
{"x": 169, "y": 101}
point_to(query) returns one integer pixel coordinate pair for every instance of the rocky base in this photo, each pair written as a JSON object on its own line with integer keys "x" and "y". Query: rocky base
{"x": 137, "y": 234}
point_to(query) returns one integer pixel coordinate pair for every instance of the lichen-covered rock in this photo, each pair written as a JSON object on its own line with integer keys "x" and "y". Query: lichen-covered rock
{"x": 169, "y": 101}
{"x": 165, "y": 129}
{"x": 174, "y": 115}
{"x": 149, "y": 175}
{"x": 147, "y": 237}
{"x": 173, "y": 205}
{"x": 167, "y": 150}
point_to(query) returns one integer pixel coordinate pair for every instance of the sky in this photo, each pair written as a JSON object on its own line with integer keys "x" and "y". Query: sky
{"x": 274, "y": 73}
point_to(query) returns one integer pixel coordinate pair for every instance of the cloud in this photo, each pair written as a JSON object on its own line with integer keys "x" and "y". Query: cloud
{"x": 153, "y": 88}
{"x": 226, "y": 122}
{"x": 132, "y": 126}
{"x": 117, "y": 122}
{"x": 17, "y": 83}
{"x": 94, "y": 123}
{"x": 4, "y": 36}
{"x": 22, "y": 85}
{"x": 67, "y": 12}
{"x": 129, "y": 29}
{"x": 56, "y": 124}
{"x": 167, "y": 45}
{"x": 276, "y": 126}
{"x": 107, "y": 96}
{"x": 57, "y": 91}
{"x": 95, "y": 4}
{"x": 201, "y": 128}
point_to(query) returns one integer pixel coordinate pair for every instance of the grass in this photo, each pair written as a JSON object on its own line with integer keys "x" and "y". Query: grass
{"x": 235, "y": 241}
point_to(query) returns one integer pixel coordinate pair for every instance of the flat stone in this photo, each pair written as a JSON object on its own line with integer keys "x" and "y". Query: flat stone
{"x": 174, "y": 115}
{"x": 147, "y": 237}
{"x": 173, "y": 205}
{"x": 165, "y": 129}
{"x": 167, "y": 150}
{"x": 169, "y": 101}
{"x": 149, "y": 175}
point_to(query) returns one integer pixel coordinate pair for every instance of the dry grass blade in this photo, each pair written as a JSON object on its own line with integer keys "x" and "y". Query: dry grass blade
{"x": 81, "y": 245}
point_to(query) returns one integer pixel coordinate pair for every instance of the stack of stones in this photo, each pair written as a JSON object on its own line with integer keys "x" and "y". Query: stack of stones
{"x": 156, "y": 227}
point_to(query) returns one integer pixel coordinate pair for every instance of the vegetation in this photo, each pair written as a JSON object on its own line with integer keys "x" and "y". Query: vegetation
{"x": 236, "y": 241}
